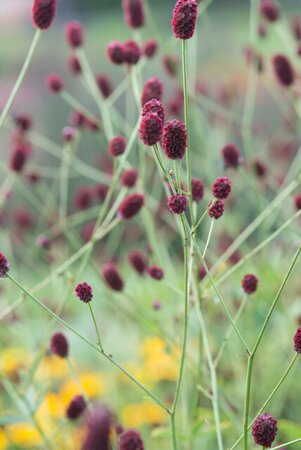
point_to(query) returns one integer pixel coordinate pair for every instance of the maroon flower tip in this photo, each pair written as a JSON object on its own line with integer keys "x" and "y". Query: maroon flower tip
{"x": 104, "y": 84}
{"x": 261, "y": 30}
{"x": 296, "y": 27}
{"x": 112, "y": 277}
{"x": 43, "y": 242}
{"x": 197, "y": 189}
{"x": 221, "y": 188}
{"x": 155, "y": 272}
{"x": 76, "y": 407}
{"x": 155, "y": 107}
{"x": 156, "y": 305}
{"x": 216, "y": 209}
{"x": 260, "y": 168}
{"x": 74, "y": 65}
{"x": 129, "y": 177}
{"x": 69, "y": 134}
{"x": 184, "y": 18}
{"x": 177, "y": 204}
{"x": 231, "y": 156}
{"x": 130, "y": 440}
{"x": 264, "y": 430}
{"x": 98, "y": 432}
{"x": 43, "y": 12}
{"x": 249, "y": 284}
{"x": 84, "y": 292}
{"x": 297, "y": 201}
{"x": 55, "y": 83}
{"x": 59, "y": 345}
{"x": 117, "y": 146}
{"x": 134, "y": 14}
{"x": 153, "y": 88}
{"x": 23, "y": 122}
{"x": 77, "y": 119}
{"x": 269, "y": 10}
{"x": 83, "y": 197}
{"x": 150, "y": 48}
{"x": 171, "y": 65}
{"x": 101, "y": 191}
{"x": 91, "y": 125}
{"x": 151, "y": 129}
{"x": 138, "y": 261}
{"x": 19, "y": 156}
{"x": 174, "y": 141}
{"x": 297, "y": 341}
{"x": 4, "y": 265}
{"x": 283, "y": 70}
{"x": 131, "y": 206}
{"x": 115, "y": 52}
{"x": 74, "y": 34}
{"x": 202, "y": 272}
{"x": 132, "y": 52}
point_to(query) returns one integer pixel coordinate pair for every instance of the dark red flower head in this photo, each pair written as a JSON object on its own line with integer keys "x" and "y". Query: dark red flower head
{"x": 84, "y": 292}
{"x": 104, "y": 84}
{"x": 76, "y": 407}
{"x": 132, "y": 52}
{"x": 197, "y": 189}
{"x": 249, "y": 284}
{"x": 117, "y": 146}
{"x": 4, "y": 265}
{"x": 69, "y": 134}
{"x": 259, "y": 168}
{"x": 55, "y": 83}
{"x": 150, "y": 48}
{"x": 283, "y": 70}
{"x": 138, "y": 261}
{"x": 134, "y": 13}
{"x": 155, "y": 272}
{"x": 77, "y": 119}
{"x": 101, "y": 190}
{"x": 43, "y": 12}
{"x": 174, "y": 141}
{"x": 74, "y": 65}
{"x": 19, "y": 156}
{"x": 74, "y": 34}
{"x": 151, "y": 129}
{"x": 153, "y": 88}
{"x": 296, "y": 27}
{"x": 154, "y": 106}
{"x": 297, "y": 341}
{"x": 221, "y": 188}
{"x": 216, "y": 209}
{"x": 297, "y": 201}
{"x": 177, "y": 203}
{"x": 269, "y": 10}
{"x": 130, "y": 440}
{"x": 59, "y": 345}
{"x": 231, "y": 156}
{"x": 23, "y": 122}
{"x": 98, "y": 433}
{"x": 129, "y": 177}
{"x": 112, "y": 277}
{"x": 83, "y": 197}
{"x": 131, "y": 206}
{"x": 184, "y": 18}
{"x": 264, "y": 430}
{"x": 115, "y": 52}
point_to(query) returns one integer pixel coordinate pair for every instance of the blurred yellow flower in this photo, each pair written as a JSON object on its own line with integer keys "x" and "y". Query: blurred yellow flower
{"x": 3, "y": 441}
{"x": 24, "y": 435}
{"x": 92, "y": 383}
{"x": 158, "y": 363}
{"x": 138, "y": 414}
{"x": 12, "y": 359}
{"x": 53, "y": 367}
{"x": 51, "y": 407}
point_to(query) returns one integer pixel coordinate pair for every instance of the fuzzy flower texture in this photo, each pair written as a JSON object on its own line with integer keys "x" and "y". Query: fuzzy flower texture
{"x": 264, "y": 430}
{"x": 43, "y": 13}
{"x": 184, "y": 18}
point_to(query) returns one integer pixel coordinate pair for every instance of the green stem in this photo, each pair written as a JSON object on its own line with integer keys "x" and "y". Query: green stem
{"x": 208, "y": 238}
{"x": 286, "y": 444}
{"x": 96, "y": 327}
{"x": 247, "y": 402}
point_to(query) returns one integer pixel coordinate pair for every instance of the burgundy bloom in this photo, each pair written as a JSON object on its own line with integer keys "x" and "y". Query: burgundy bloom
{"x": 76, "y": 407}
{"x": 104, "y": 84}
{"x": 249, "y": 284}
{"x": 151, "y": 129}
{"x": 43, "y": 12}
{"x": 19, "y": 156}
{"x": 264, "y": 430}
{"x": 55, "y": 83}
{"x": 99, "y": 427}
{"x": 4, "y": 265}
{"x": 259, "y": 168}
{"x": 84, "y": 292}
{"x": 69, "y": 134}
{"x": 83, "y": 197}
{"x": 129, "y": 177}
{"x": 177, "y": 203}
{"x": 23, "y": 218}
{"x": 74, "y": 34}
{"x": 43, "y": 242}
{"x": 138, "y": 261}
{"x": 216, "y": 209}
{"x": 197, "y": 189}
{"x": 231, "y": 156}
{"x": 297, "y": 341}
{"x": 23, "y": 122}
{"x": 117, "y": 146}
{"x": 221, "y": 188}
{"x": 297, "y": 201}
{"x": 131, "y": 206}
{"x": 202, "y": 272}
{"x": 77, "y": 119}
{"x": 154, "y": 106}
{"x": 134, "y": 13}
{"x": 150, "y": 48}
{"x": 296, "y": 27}
{"x": 115, "y": 52}
{"x": 261, "y": 30}
{"x": 59, "y": 345}
{"x": 74, "y": 65}
{"x": 91, "y": 125}
{"x": 153, "y": 88}
{"x": 132, "y": 52}
{"x": 174, "y": 141}
{"x": 155, "y": 272}
{"x": 269, "y": 10}
{"x": 130, "y": 440}
{"x": 283, "y": 70}
{"x": 184, "y": 18}
{"x": 101, "y": 191}
{"x": 156, "y": 305}
{"x": 112, "y": 277}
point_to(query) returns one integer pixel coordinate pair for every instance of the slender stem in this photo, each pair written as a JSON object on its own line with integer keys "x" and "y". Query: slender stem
{"x": 20, "y": 78}
{"x": 208, "y": 238}
{"x": 78, "y": 106}
{"x": 286, "y": 444}
{"x": 96, "y": 327}
{"x": 247, "y": 402}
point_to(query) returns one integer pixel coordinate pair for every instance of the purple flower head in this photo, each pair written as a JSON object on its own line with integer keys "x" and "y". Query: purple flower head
{"x": 151, "y": 129}
{"x": 115, "y": 52}
{"x": 138, "y": 261}
{"x": 112, "y": 277}
{"x": 264, "y": 430}
{"x": 197, "y": 189}
{"x": 177, "y": 203}
{"x": 59, "y": 345}
{"x": 283, "y": 70}
{"x": 216, "y": 209}
{"x": 174, "y": 141}
{"x": 155, "y": 272}
{"x": 117, "y": 146}
{"x": 221, "y": 188}
{"x": 129, "y": 177}
{"x": 134, "y": 13}
{"x": 184, "y": 18}
{"x": 43, "y": 13}
{"x": 74, "y": 34}
{"x": 231, "y": 156}
{"x": 84, "y": 292}
{"x": 154, "y": 106}
{"x": 130, "y": 440}
{"x": 249, "y": 284}
{"x": 131, "y": 206}
{"x": 76, "y": 407}
{"x": 4, "y": 265}
{"x": 153, "y": 88}
{"x": 132, "y": 52}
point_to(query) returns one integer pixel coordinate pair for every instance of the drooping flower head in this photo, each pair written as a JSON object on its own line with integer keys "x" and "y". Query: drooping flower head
{"x": 59, "y": 345}
{"x": 283, "y": 69}
{"x": 134, "y": 13}
{"x": 112, "y": 277}
{"x": 264, "y": 430}
{"x": 43, "y": 13}
{"x": 184, "y": 18}
{"x": 131, "y": 206}
{"x": 174, "y": 141}
{"x": 84, "y": 292}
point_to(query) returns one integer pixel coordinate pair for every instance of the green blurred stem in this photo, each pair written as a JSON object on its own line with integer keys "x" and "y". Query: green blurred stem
{"x": 96, "y": 327}
{"x": 209, "y": 237}
{"x": 68, "y": 98}
{"x": 286, "y": 444}
{"x": 20, "y": 78}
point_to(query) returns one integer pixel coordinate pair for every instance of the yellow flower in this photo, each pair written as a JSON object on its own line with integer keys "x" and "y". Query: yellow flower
{"x": 12, "y": 359}
{"x": 3, "y": 441}
{"x": 158, "y": 363}
{"x": 51, "y": 407}
{"x": 24, "y": 435}
{"x": 138, "y": 414}
{"x": 53, "y": 367}
{"x": 92, "y": 383}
